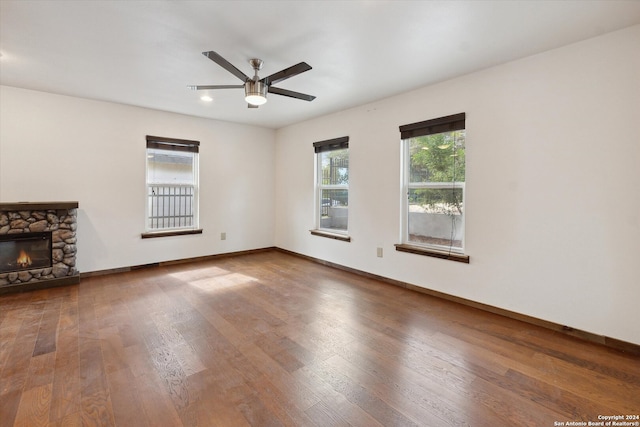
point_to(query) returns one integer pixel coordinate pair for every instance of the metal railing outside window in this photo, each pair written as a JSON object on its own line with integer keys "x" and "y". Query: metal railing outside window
{"x": 171, "y": 206}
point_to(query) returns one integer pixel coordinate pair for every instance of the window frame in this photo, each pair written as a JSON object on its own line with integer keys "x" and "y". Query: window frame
{"x": 321, "y": 147}
{"x": 439, "y": 125}
{"x": 173, "y": 144}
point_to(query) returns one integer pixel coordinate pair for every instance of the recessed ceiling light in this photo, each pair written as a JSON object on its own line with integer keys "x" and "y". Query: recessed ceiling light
{"x": 206, "y": 98}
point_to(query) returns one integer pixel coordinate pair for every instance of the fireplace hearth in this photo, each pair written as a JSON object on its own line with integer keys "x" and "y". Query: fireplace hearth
{"x": 37, "y": 245}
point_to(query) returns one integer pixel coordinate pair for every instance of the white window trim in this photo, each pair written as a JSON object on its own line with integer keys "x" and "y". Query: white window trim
{"x": 195, "y": 227}
{"x": 318, "y": 204}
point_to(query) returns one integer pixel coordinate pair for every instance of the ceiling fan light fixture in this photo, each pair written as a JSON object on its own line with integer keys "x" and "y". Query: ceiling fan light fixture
{"x": 255, "y": 92}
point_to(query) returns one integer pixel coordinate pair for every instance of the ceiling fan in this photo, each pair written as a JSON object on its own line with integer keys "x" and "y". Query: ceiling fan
{"x": 255, "y": 88}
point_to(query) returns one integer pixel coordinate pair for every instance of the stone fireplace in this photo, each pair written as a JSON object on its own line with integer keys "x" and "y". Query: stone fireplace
{"x": 37, "y": 245}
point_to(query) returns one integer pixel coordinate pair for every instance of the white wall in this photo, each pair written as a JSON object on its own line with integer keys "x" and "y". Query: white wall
{"x": 553, "y": 203}
{"x": 56, "y": 148}
{"x": 553, "y": 206}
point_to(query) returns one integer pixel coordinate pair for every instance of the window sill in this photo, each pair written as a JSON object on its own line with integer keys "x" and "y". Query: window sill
{"x": 330, "y": 235}
{"x": 168, "y": 233}
{"x": 432, "y": 253}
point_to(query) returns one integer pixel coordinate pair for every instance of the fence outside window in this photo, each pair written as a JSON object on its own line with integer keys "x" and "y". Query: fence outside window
{"x": 331, "y": 175}
{"x": 171, "y": 206}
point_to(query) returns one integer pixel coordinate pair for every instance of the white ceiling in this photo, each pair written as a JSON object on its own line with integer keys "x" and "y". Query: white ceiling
{"x": 145, "y": 53}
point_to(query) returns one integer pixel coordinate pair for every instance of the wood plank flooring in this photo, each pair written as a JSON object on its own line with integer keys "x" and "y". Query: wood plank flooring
{"x": 271, "y": 339}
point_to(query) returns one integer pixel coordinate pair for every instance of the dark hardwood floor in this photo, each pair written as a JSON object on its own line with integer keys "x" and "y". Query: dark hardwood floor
{"x": 271, "y": 339}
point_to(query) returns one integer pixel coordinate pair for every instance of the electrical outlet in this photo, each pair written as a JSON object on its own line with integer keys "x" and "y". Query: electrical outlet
{"x": 379, "y": 252}
{"x": 223, "y": 236}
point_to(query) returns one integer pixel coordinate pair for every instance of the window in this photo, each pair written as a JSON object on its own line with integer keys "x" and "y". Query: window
{"x": 332, "y": 189}
{"x": 172, "y": 186}
{"x": 434, "y": 185}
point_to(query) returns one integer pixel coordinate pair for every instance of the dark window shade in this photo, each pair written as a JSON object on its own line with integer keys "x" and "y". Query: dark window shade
{"x": 172, "y": 144}
{"x": 430, "y": 127}
{"x": 331, "y": 144}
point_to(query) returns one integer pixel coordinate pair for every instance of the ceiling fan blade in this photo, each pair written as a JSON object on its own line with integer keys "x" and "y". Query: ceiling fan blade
{"x": 226, "y": 65}
{"x": 286, "y": 73}
{"x": 251, "y": 106}
{"x": 206, "y": 87}
{"x": 291, "y": 93}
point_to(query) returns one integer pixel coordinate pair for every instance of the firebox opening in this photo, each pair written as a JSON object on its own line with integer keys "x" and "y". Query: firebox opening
{"x": 25, "y": 251}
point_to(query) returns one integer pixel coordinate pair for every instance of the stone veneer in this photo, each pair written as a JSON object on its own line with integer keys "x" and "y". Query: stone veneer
{"x": 60, "y": 218}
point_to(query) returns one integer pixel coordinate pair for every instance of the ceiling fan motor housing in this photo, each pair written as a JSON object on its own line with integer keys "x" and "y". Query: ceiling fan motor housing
{"x": 255, "y": 92}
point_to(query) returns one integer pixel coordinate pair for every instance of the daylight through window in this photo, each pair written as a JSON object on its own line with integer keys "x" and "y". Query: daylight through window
{"x": 172, "y": 184}
{"x": 332, "y": 190}
{"x": 434, "y": 183}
